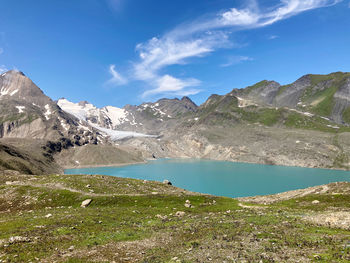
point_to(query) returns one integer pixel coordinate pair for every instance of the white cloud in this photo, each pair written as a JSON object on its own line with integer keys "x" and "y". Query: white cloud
{"x": 116, "y": 78}
{"x": 234, "y": 60}
{"x": 204, "y": 36}
{"x": 3, "y": 69}
{"x": 172, "y": 86}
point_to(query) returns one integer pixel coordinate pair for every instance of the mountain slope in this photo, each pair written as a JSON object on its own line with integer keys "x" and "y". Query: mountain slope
{"x": 26, "y": 112}
{"x": 27, "y": 156}
{"x": 325, "y": 95}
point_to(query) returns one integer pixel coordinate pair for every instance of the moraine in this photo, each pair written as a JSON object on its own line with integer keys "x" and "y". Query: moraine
{"x": 223, "y": 178}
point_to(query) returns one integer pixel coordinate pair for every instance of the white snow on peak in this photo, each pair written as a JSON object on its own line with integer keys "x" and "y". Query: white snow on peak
{"x": 48, "y": 112}
{"x": 20, "y": 108}
{"x": 84, "y": 111}
{"x": 79, "y": 111}
{"x": 115, "y": 115}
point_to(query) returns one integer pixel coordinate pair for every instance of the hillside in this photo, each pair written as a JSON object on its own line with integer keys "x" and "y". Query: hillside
{"x": 27, "y": 156}
{"x": 138, "y": 221}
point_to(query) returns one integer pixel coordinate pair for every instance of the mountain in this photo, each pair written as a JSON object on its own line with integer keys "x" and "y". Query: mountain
{"x": 26, "y": 112}
{"x": 323, "y": 95}
{"x": 305, "y": 123}
{"x": 149, "y": 118}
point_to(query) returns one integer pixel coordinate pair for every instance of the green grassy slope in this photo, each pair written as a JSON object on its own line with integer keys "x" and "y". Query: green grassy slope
{"x": 135, "y": 221}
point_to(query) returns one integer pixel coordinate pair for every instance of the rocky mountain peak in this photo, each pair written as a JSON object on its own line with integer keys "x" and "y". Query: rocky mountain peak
{"x": 14, "y": 85}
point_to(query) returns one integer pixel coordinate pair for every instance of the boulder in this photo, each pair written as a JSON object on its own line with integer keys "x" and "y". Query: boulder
{"x": 167, "y": 182}
{"x": 180, "y": 214}
{"x": 86, "y": 203}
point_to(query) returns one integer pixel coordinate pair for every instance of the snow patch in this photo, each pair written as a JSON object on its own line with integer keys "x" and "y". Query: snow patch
{"x": 13, "y": 92}
{"x": 20, "y": 108}
{"x": 4, "y": 91}
{"x": 48, "y": 112}
{"x": 64, "y": 125}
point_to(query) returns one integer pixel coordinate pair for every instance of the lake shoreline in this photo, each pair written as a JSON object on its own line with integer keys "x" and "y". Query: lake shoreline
{"x": 101, "y": 165}
{"x": 222, "y": 178}
{"x": 197, "y": 159}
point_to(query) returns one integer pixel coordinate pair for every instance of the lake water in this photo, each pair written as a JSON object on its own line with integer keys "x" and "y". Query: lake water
{"x": 223, "y": 178}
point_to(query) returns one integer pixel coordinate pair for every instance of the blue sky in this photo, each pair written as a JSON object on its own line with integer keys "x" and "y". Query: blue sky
{"x": 117, "y": 52}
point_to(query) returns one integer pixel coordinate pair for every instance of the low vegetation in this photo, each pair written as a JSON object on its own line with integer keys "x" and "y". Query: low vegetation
{"x": 139, "y": 221}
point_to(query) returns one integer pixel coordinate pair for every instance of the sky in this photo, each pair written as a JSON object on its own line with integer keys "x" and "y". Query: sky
{"x": 118, "y": 52}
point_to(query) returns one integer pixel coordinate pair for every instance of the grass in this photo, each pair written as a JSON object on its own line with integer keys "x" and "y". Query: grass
{"x": 346, "y": 115}
{"x": 144, "y": 228}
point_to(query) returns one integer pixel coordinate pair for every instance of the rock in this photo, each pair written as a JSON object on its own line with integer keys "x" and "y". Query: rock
{"x": 189, "y": 205}
{"x": 48, "y": 215}
{"x": 71, "y": 248}
{"x": 315, "y": 202}
{"x": 18, "y": 239}
{"x": 154, "y": 193}
{"x": 167, "y": 182}
{"x": 317, "y": 257}
{"x": 180, "y": 214}
{"x": 88, "y": 186}
{"x": 162, "y": 217}
{"x": 86, "y": 203}
{"x": 187, "y": 201}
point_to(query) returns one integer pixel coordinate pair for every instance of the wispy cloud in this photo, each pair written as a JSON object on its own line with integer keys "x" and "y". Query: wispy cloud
{"x": 202, "y": 37}
{"x": 234, "y": 60}
{"x": 272, "y": 37}
{"x": 116, "y": 78}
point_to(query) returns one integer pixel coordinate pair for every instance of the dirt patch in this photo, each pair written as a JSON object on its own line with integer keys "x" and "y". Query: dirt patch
{"x": 340, "y": 219}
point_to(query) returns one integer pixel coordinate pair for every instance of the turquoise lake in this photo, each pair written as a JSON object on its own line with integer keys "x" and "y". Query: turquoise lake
{"x": 223, "y": 178}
